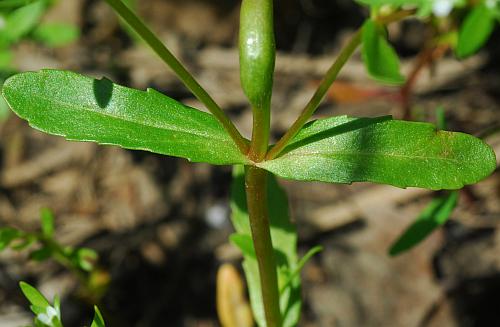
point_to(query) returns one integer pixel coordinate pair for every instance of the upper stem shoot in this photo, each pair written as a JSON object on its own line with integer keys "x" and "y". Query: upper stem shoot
{"x": 257, "y": 59}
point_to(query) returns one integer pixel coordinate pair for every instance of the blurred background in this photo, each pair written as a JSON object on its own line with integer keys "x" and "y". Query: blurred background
{"x": 160, "y": 225}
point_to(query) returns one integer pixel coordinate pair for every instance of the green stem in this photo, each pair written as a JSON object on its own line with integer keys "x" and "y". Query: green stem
{"x": 61, "y": 257}
{"x": 318, "y": 96}
{"x": 256, "y": 191}
{"x": 159, "y": 48}
{"x": 327, "y": 82}
{"x": 260, "y": 133}
{"x": 257, "y": 58}
{"x": 295, "y": 272}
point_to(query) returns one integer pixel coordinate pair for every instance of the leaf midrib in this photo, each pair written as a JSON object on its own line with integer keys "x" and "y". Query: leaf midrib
{"x": 367, "y": 154}
{"x": 141, "y": 123}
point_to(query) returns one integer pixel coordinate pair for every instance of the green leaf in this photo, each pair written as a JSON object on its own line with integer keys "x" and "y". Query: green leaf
{"x": 435, "y": 215}
{"x": 14, "y": 3}
{"x": 311, "y": 253}
{"x": 441, "y": 123}
{"x": 38, "y": 323}
{"x": 46, "y": 315}
{"x": 21, "y": 21}
{"x": 7, "y": 235}
{"x": 381, "y": 61}
{"x": 86, "y": 109}
{"x": 381, "y": 150}
{"x": 284, "y": 238}
{"x": 424, "y": 7}
{"x": 34, "y": 296}
{"x": 86, "y": 259}
{"x": 475, "y": 31}
{"x": 57, "y": 303}
{"x": 24, "y": 242}
{"x": 98, "y": 320}
{"x": 47, "y": 220}
{"x": 244, "y": 242}
{"x": 37, "y": 310}
{"x": 4, "y": 110}
{"x": 41, "y": 254}
{"x": 56, "y": 34}
{"x": 301, "y": 265}
{"x": 394, "y": 3}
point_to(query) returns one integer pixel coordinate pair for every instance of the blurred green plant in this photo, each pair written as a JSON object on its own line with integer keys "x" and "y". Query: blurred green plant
{"x": 464, "y": 26}
{"x": 49, "y": 315}
{"x": 42, "y": 246}
{"x": 458, "y": 25}
{"x": 46, "y": 246}
{"x": 22, "y": 19}
{"x": 477, "y": 27}
{"x": 432, "y": 217}
{"x": 338, "y": 149}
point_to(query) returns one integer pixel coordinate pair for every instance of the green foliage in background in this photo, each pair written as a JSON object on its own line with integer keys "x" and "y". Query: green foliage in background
{"x": 381, "y": 60}
{"x": 22, "y": 19}
{"x": 43, "y": 246}
{"x": 476, "y": 30}
{"x": 434, "y": 215}
{"x": 475, "y": 20}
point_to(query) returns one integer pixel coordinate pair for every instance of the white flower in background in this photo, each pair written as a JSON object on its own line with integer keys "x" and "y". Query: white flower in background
{"x": 442, "y": 8}
{"x": 47, "y": 316}
{"x": 2, "y": 22}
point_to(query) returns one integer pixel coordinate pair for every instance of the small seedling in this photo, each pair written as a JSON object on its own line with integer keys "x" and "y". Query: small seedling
{"x": 49, "y": 315}
{"x": 43, "y": 246}
{"x": 338, "y": 149}
{"x": 82, "y": 260}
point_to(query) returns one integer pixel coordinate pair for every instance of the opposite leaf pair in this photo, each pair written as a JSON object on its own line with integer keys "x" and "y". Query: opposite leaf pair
{"x": 335, "y": 150}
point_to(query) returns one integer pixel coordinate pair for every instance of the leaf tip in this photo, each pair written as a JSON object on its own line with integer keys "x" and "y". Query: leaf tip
{"x": 485, "y": 154}
{"x": 13, "y": 83}
{"x": 394, "y": 251}
{"x": 8, "y": 84}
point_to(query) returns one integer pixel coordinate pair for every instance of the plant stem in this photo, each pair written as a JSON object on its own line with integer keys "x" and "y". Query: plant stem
{"x": 257, "y": 58}
{"x": 327, "y": 82}
{"x": 257, "y": 52}
{"x": 260, "y": 133}
{"x": 318, "y": 96}
{"x": 159, "y": 48}
{"x": 256, "y": 191}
